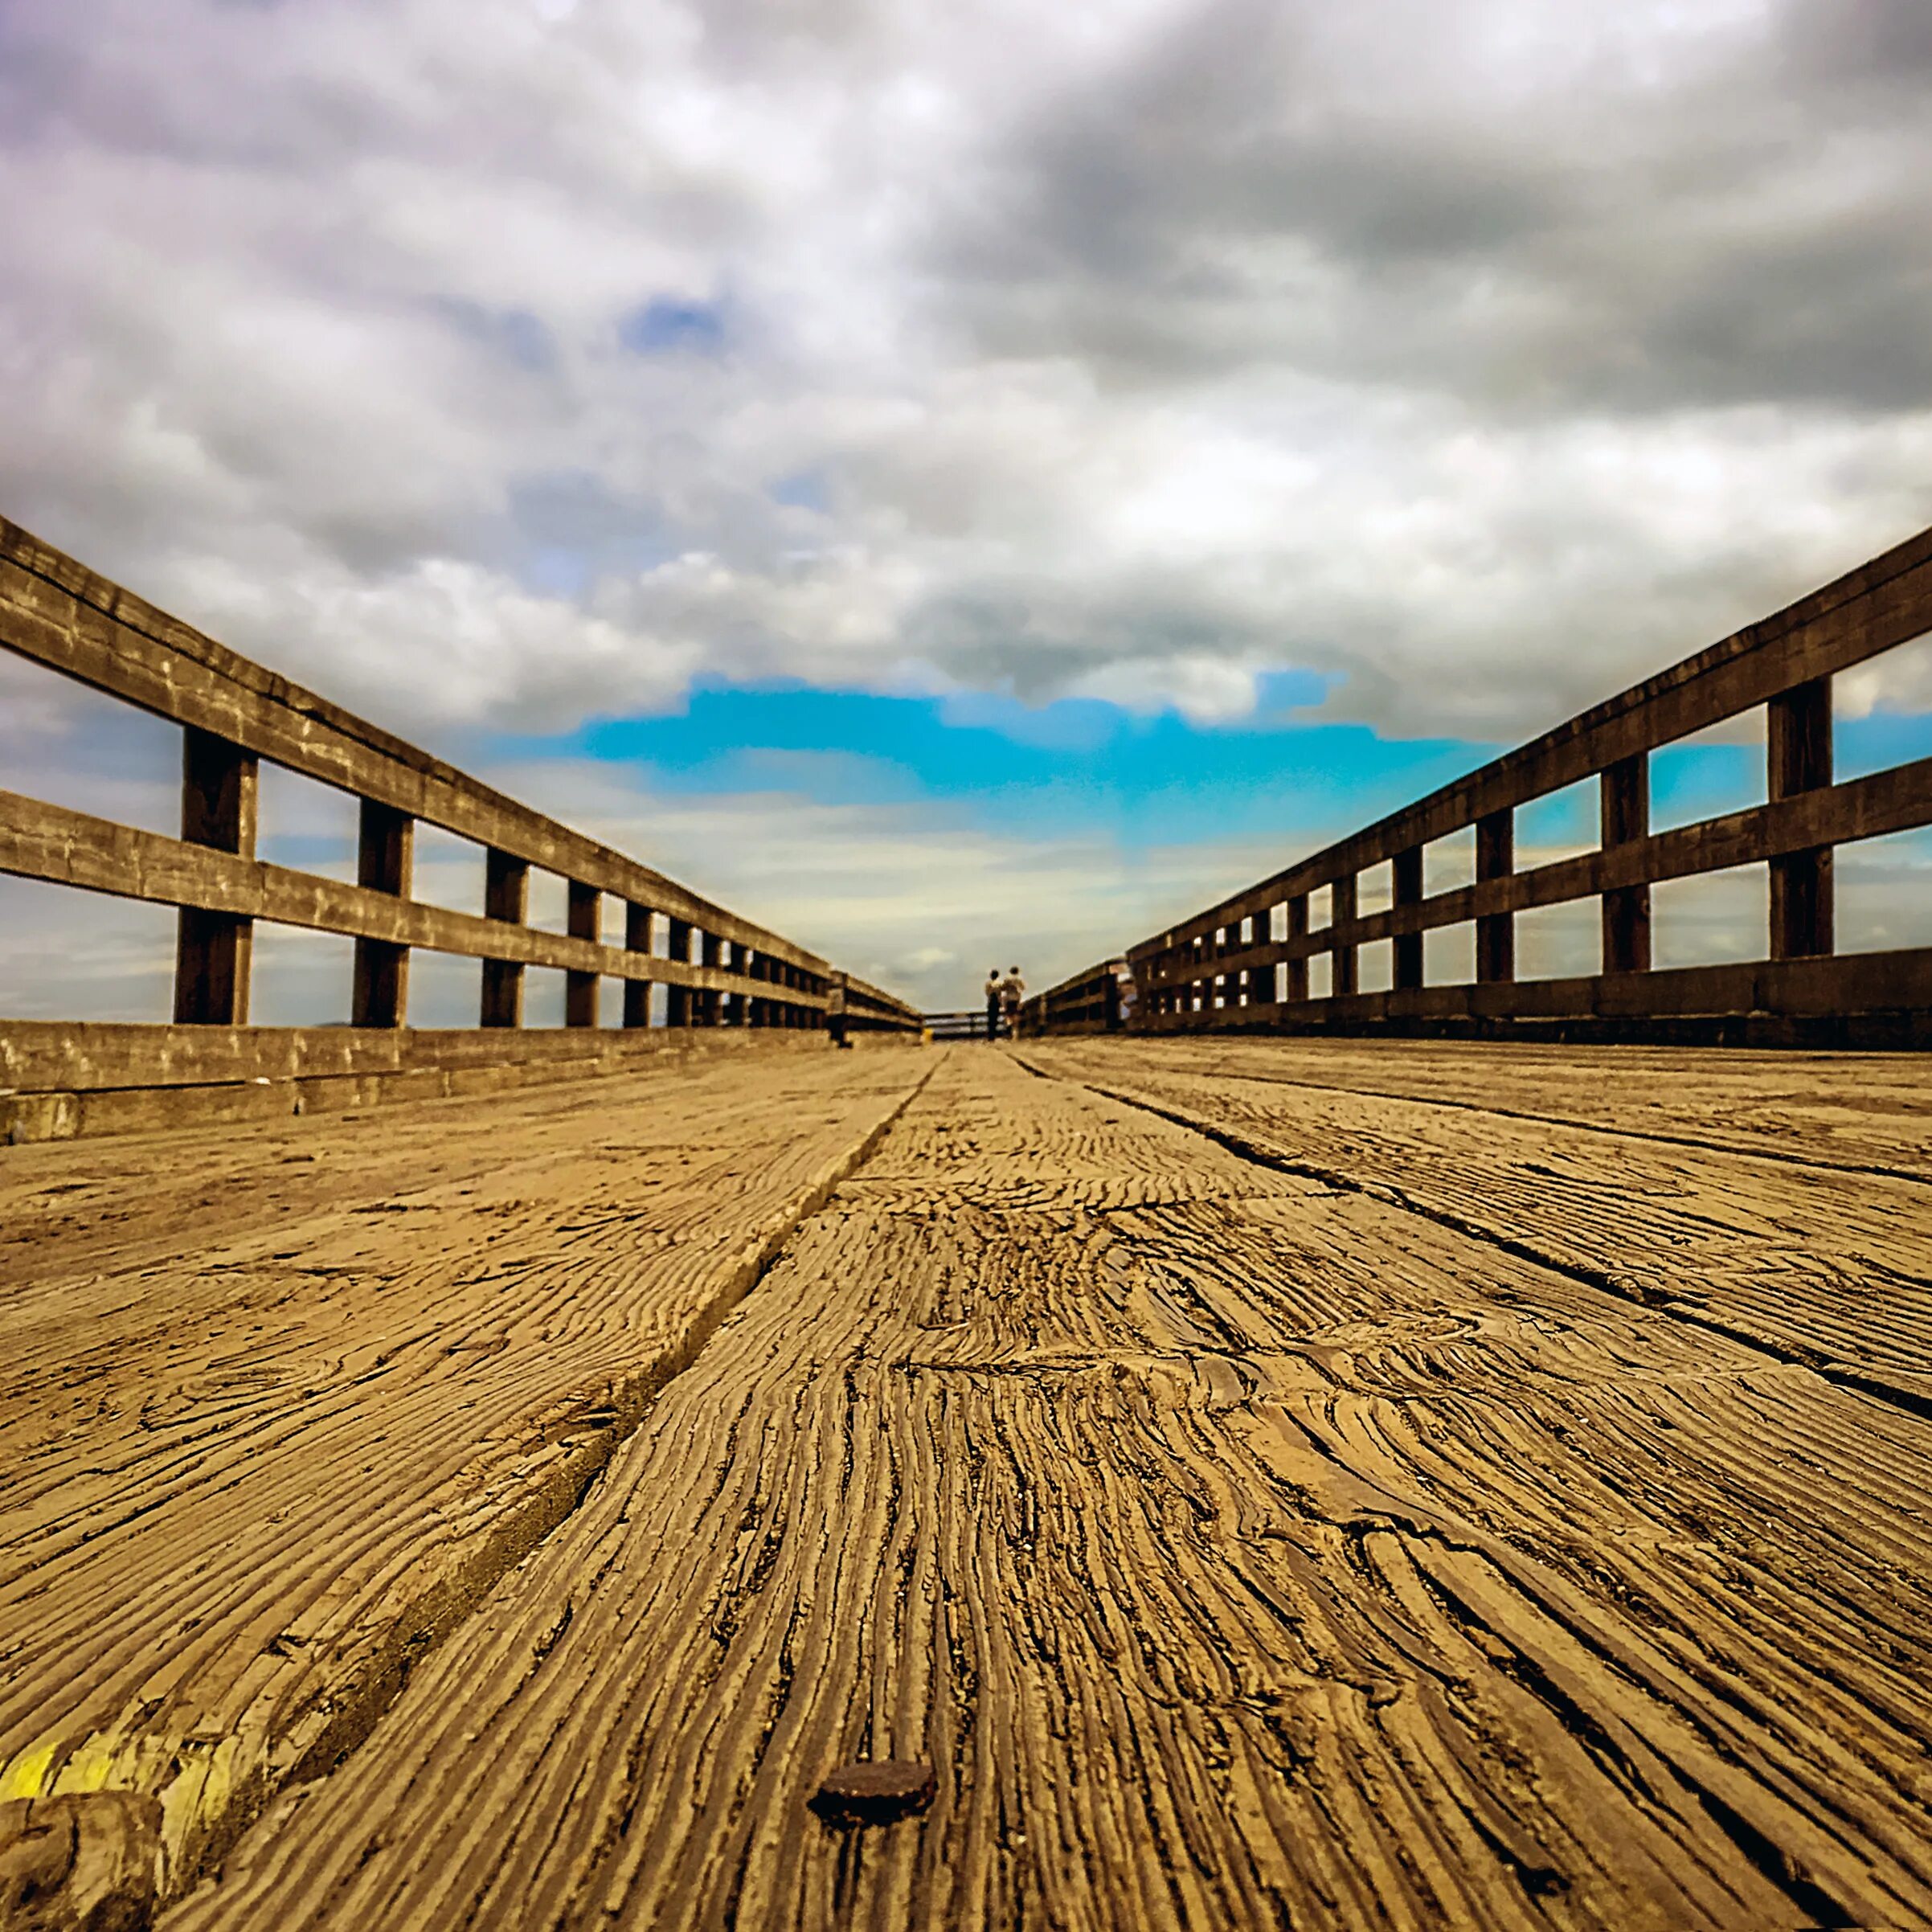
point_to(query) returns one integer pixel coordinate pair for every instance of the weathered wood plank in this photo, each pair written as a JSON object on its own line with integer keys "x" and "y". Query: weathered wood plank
{"x": 1816, "y": 1265}
{"x": 1238, "y": 1551}
{"x": 1840, "y": 989}
{"x": 279, "y": 1405}
{"x": 1853, "y": 1110}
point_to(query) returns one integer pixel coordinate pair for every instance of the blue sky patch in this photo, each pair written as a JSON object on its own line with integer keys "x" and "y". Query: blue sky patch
{"x": 1083, "y": 765}
{"x": 1077, "y": 765}
{"x": 666, "y": 325}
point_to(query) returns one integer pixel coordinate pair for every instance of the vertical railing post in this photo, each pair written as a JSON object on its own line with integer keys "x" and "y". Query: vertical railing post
{"x": 1626, "y": 816}
{"x": 580, "y": 988}
{"x": 710, "y": 1006}
{"x": 1799, "y": 757}
{"x": 505, "y": 897}
{"x": 680, "y": 1002}
{"x": 1407, "y": 869}
{"x": 214, "y": 951}
{"x": 1496, "y": 932}
{"x": 637, "y": 939}
{"x": 1342, "y": 976}
{"x": 384, "y": 861}
{"x": 1296, "y": 979}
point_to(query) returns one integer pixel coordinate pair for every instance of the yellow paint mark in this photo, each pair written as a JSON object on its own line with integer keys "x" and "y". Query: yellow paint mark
{"x": 198, "y": 1796}
{"x": 27, "y": 1776}
{"x": 91, "y": 1768}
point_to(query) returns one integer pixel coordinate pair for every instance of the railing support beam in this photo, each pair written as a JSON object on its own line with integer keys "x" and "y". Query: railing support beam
{"x": 1342, "y": 977}
{"x": 1798, "y": 749}
{"x": 637, "y": 938}
{"x": 1296, "y": 976}
{"x": 384, "y": 862}
{"x": 505, "y": 897}
{"x": 1407, "y": 869}
{"x": 214, "y": 951}
{"x": 1496, "y": 932}
{"x": 580, "y": 988}
{"x": 1625, "y": 794}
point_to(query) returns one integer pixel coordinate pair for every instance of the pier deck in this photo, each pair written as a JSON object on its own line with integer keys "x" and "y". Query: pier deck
{"x": 1323, "y": 1484}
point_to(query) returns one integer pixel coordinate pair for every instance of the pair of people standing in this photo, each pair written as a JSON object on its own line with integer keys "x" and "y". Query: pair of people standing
{"x": 1003, "y": 998}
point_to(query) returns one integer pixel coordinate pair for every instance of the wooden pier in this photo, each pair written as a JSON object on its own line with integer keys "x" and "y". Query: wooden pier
{"x": 1314, "y": 1484}
{"x": 492, "y": 1478}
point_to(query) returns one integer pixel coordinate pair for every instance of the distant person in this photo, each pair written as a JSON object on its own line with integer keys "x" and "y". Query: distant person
{"x": 992, "y": 1002}
{"x": 1013, "y": 990}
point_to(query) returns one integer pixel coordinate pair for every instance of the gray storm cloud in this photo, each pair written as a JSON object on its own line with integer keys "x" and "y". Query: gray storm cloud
{"x": 493, "y": 362}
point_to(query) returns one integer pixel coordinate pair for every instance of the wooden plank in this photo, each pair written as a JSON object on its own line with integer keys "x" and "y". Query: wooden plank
{"x": 1869, "y": 1113}
{"x": 1295, "y": 976}
{"x": 1247, "y": 1553}
{"x": 79, "y": 1056}
{"x": 55, "y": 612}
{"x": 1872, "y": 609}
{"x": 1342, "y": 922}
{"x": 1853, "y": 983}
{"x": 52, "y": 842}
{"x": 100, "y": 1105}
{"x": 282, "y": 1402}
{"x": 679, "y": 1011}
{"x": 1774, "y": 1251}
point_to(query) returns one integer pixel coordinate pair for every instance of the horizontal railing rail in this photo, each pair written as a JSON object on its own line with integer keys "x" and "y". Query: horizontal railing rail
{"x": 1244, "y": 960}
{"x": 719, "y": 968}
{"x": 969, "y": 1024}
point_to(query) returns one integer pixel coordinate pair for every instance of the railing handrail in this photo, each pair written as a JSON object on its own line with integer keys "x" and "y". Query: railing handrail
{"x": 56, "y": 612}
{"x": 1214, "y": 959}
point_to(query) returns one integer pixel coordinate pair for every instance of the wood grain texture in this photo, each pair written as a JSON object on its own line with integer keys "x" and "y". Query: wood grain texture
{"x": 1240, "y": 1546}
{"x": 1829, "y": 1264}
{"x": 278, "y": 1406}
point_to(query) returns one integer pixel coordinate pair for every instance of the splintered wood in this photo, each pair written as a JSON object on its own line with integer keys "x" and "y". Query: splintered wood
{"x": 1262, "y": 1483}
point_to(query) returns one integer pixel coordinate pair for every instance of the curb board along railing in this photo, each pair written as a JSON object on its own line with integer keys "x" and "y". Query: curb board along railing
{"x": 56, "y": 1078}
{"x": 1243, "y": 963}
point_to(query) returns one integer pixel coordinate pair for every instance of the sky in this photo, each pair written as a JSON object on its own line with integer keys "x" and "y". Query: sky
{"x": 966, "y": 480}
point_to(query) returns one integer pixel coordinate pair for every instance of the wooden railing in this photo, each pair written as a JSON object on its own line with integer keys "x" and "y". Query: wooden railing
{"x": 720, "y": 970}
{"x": 969, "y": 1025}
{"x": 1244, "y": 961}
{"x": 1088, "y": 1002}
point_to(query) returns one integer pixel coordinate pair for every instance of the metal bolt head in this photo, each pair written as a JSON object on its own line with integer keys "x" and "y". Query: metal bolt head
{"x": 875, "y": 1792}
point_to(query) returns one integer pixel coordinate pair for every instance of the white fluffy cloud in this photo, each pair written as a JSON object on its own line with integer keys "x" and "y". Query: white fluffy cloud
{"x": 502, "y": 360}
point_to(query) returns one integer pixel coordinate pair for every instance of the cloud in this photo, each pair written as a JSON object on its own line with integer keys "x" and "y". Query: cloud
{"x": 499, "y": 362}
